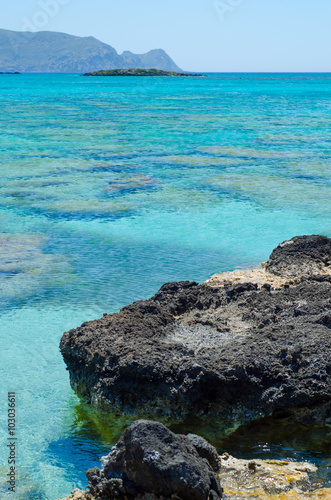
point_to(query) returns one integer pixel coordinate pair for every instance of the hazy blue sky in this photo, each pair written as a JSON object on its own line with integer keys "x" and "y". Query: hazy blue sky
{"x": 200, "y": 35}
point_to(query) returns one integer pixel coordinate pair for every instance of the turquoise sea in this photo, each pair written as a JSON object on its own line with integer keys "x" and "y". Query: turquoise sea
{"x": 111, "y": 187}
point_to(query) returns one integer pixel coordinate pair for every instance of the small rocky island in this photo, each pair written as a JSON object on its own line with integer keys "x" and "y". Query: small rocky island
{"x": 137, "y": 72}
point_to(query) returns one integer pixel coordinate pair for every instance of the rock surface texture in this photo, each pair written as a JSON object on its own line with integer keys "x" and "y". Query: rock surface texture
{"x": 228, "y": 348}
{"x": 268, "y": 480}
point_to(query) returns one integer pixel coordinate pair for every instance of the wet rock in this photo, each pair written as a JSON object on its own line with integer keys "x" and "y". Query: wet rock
{"x": 237, "y": 351}
{"x": 268, "y": 480}
{"x": 151, "y": 460}
{"x": 76, "y": 495}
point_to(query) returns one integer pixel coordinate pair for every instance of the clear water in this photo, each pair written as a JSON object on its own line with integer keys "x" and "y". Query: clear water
{"x": 111, "y": 187}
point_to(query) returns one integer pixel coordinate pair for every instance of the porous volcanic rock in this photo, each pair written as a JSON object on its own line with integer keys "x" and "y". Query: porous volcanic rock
{"x": 301, "y": 256}
{"x": 150, "y": 459}
{"x": 237, "y": 351}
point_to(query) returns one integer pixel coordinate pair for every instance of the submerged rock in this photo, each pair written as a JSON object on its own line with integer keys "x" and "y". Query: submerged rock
{"x": 268, "y": 480}
{"x": 26, "y": 269}
{"x": 231, "y": 349}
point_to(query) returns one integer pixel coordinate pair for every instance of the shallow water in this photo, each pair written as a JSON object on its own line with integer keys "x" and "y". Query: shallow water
{"x": 111, "y": 187}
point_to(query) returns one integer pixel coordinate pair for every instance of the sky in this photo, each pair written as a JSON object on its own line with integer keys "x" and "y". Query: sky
{"x": 200, "y": 35}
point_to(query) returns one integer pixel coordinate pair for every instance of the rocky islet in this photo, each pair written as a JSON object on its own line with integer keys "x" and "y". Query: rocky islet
{"x": 137, "y": 72}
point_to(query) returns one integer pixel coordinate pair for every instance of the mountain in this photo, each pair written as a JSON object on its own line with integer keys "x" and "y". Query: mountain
{"x": 156, "y": 59}
{"x": 52, "y": 52}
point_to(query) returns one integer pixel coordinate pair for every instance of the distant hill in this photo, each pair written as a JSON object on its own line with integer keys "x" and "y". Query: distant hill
{"x": 52, "y": 52}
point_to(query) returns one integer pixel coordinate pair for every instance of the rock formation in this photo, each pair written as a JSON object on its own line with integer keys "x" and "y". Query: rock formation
{"x": 149, "y": 462}
{"x": 237, "y": 349}
{"x": 300, "y": 256}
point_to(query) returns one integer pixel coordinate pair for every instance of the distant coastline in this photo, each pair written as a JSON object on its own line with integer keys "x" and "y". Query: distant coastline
{"x": 53, "y": 52}
{"x": 10, "y": 73}
{"x": 137, "y": 72}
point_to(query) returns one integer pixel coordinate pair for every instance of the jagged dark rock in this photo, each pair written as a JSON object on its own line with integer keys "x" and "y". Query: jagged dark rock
{"x": 302, "y": 255}
{"x": 236, "y": 351}
{"x": 150, "y": 459}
